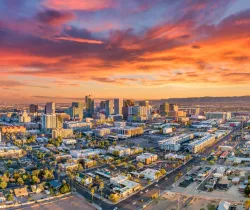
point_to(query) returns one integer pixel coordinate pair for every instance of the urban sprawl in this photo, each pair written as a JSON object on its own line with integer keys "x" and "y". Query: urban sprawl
{"x": 125, "y": 154}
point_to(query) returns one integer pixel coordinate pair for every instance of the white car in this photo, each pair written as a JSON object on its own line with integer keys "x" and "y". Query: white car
{"x": 146, "y": 191}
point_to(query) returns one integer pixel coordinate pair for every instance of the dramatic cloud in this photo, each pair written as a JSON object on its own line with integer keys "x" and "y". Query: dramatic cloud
{"x": 112, "y": 44}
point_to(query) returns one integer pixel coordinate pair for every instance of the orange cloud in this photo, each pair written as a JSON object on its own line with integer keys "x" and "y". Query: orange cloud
{"x": 92, "y": 5}
{"x": 81, "y": 40}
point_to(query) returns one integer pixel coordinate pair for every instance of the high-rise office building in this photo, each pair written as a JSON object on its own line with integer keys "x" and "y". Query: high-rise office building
{"x": 90, "y": 105}
{"x": 48, "y": 121}
{"x": 138, "y": 113}
{"x": 76, "y": 111}
{"x": 126, "y": 104}
{"x": 50, "y": 108}
{"x": 33, "y": 108}
{"x": 118, "y": 104}
{"x": 109, "y": 107}
{"x": 173, "y": 107}
{"x": 102, "y": 105}
{"x": 164, "y": 109}
{"x": 144, "y": 103}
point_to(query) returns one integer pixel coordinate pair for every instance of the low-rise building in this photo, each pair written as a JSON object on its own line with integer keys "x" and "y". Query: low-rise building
{"x": 147, "y": 158}
{"x": 86, "y": 153}
{"x": 102, "y": 132}
{"x": 10, "y": 151}
{"x": 68, "y": 166}
{"x": 119, "y": 151}
{"x": 151, "y": 174}
{"x": 174, "y": 143}
{"x": 69, "y": 141}
{"x": 12, "y": 129}
{"x": 78, "y": 126}
{"x": 171, "y": 156}
{"x": 200, "y": 144}
{"x": 124, "y": 186}
{"x": 128, "y": 131}
{"x": 218, "y": 115}
{"x": 62, "y": 132}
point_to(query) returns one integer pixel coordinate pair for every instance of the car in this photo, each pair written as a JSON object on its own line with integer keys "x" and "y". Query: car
{"x": 134, "y": 203}
{"x": 116, "y": 208}
{"x": 146, "y": 191}
{"x": 141, "y": 192}
{"x": 166, "y": 178}
{"x": 141, "y": 200}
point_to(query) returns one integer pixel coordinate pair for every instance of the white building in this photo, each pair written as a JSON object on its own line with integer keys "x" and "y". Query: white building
{"x": 86, "y": 153}
{"x": 218, "y": 115}
{"x": 69, "y": 141}
{"x": 150, "y": 173}
{"x": 174, "y": 143}
{"x": 167, "y": 130}
{"x": 120, "y": 124}
{"x": 24, "y": 117}
{"x": 78, "y": 125}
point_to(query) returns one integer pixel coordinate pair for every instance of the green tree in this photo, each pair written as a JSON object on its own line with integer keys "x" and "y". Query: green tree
{"x": 20, "y": 181}
{"x": 163, "y": 171}
{"x": 101, "y": 187}
{"x": 35, "y": 180}
{"x": 247, "y": 191}
{"x": 9, "y": 162}
{"x": 65, "y": 188}
{"x": 114, "y": 197}
{"x": 140, "y": 165}
{"x": 3, "y": 184}
{"x": 10, "y": 197}
{"x": 92, "y": 191}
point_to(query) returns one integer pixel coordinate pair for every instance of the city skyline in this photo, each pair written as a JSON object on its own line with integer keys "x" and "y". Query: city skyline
{"x": 57, "y": 50}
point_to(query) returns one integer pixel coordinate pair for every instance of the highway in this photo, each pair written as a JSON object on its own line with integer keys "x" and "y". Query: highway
{"x": 137, "y": 201}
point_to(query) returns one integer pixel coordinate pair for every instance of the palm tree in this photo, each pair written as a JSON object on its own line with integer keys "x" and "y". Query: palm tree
{"x": 101, "y": 186}
{"x": 92, "y": 191}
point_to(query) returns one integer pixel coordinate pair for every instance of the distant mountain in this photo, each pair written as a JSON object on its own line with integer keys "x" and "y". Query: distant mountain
{"x": 202, "y": 100}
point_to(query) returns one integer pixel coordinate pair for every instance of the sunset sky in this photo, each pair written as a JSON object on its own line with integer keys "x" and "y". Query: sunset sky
{"x": 62, "y": 50}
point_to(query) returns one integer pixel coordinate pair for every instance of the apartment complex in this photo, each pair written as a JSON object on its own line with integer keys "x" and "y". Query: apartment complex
{"x": 218, "y": 115}
{"x": 10, "y": 151}
{"x": 200, "y": 144}
{"x": 64, "y": 133}
{"x": 12, "y": 129}
{"x": 174, "y": 143}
